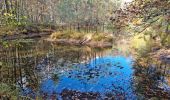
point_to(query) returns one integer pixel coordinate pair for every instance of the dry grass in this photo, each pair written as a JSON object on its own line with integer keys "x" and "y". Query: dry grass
{"x": 102, "y": 37}
{"x": 7, "y": 30}
{"x": 67, "y": 35}
{"x": 80, "y": 35}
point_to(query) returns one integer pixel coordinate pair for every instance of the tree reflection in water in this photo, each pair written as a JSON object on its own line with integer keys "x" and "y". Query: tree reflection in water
{"x": 54, "y": 71}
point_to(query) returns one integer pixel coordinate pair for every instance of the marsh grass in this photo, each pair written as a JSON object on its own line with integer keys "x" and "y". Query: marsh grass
{"x": 81, "y": 35}
{"x": 8, "y": 30}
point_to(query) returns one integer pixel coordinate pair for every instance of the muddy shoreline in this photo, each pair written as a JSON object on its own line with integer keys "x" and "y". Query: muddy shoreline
{"x": 97, "y": 44}
{"x": 24, "y": 36}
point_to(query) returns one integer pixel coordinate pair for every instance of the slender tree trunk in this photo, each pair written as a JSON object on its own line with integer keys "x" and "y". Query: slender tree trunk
{"x": 7, "y": 6}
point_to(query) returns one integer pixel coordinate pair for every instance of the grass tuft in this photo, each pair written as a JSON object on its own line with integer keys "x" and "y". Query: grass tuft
{"x": 81, "y": 35}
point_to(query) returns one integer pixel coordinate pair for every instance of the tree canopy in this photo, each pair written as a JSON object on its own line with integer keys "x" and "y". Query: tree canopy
{"x": 58, "y": 11}
{"x": 145, "y": 16}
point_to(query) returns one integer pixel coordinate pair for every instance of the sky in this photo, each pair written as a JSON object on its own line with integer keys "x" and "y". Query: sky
{"x": 127, "y": 0}
{"x": 123, "y": 2}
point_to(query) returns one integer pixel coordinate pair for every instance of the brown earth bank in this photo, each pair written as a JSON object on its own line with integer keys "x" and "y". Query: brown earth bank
{"x": 23, "y": 32}
{"x": 24, "y": 36}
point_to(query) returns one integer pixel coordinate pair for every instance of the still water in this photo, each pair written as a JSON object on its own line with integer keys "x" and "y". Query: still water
{"x": 101, "y": 75}
{"x": 51, "y": 71}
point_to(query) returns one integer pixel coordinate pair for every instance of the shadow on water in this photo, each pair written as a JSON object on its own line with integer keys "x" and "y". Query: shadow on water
{"x": 51, "y": 71}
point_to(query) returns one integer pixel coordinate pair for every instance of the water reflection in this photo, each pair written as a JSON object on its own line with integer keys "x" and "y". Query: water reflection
{"x": 52, "y": 71}
{"x": 103, "y": 75}
{"x": 151, "y": 78}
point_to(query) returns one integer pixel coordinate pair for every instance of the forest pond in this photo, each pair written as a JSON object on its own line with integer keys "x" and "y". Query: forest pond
{"x": 51, "y": 71}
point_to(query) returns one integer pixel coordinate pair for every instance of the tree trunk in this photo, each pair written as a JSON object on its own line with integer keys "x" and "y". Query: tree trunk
{"x": 7, "y": 6}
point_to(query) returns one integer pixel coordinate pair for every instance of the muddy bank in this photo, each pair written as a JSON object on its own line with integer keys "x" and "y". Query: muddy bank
{"x": 24, "y": 36}
{"x": 97, "y": 44}
{"x": 74, "y": 42}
